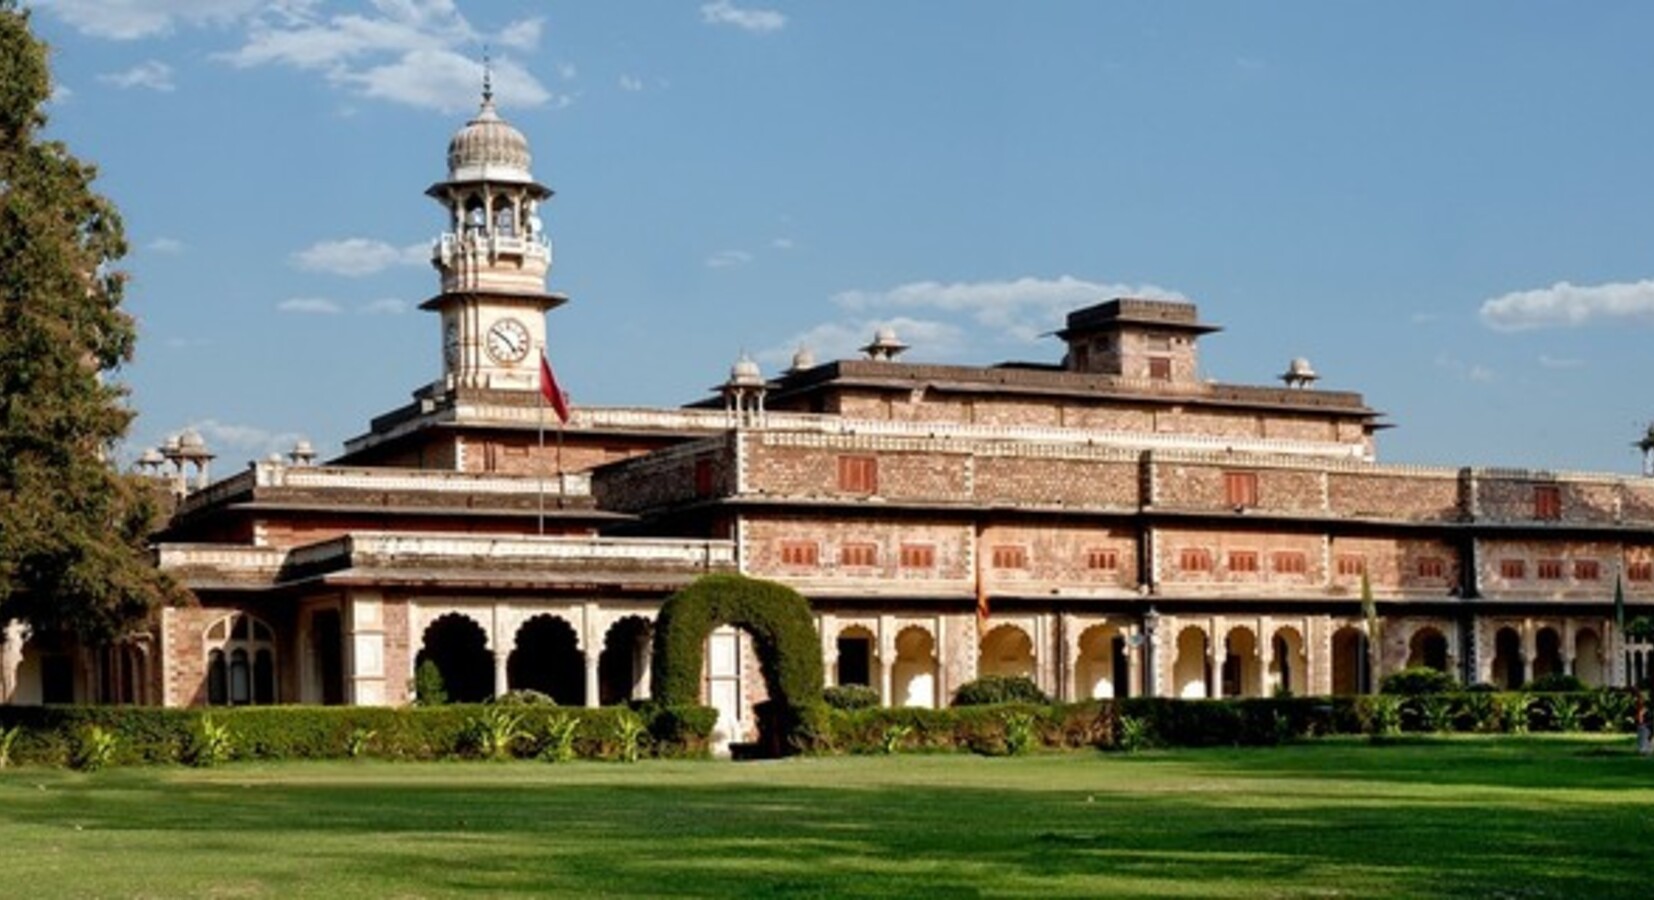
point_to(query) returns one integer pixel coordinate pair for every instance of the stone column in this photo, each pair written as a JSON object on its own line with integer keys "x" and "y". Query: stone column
{"x": 365, "y": 645}
{"x": 502, "y": 679}
{"x": 887, "y": 660}
{"x": 1529, "y": 648}
{"x": 593, "y": 697}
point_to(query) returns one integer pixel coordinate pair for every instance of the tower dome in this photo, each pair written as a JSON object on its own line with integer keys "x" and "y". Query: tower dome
{"x": 488, "y": 148}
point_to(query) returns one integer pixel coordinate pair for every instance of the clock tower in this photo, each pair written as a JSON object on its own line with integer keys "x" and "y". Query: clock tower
{"x": 493, "y": 258}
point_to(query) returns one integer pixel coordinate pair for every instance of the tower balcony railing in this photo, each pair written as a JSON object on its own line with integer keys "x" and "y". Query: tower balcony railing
{"x": 450, "y": 248}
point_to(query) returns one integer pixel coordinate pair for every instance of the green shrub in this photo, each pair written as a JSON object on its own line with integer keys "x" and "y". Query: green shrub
{"x": 1481, "y": 712}
{"x": 783, "y": 629}
{"x": 1414, "y": 681}
{"x": 679, "y": 730}
{"x": 1567, "y": 713}
{"x": 1382, "y": 715}
{"x": 992, "y": 689}
{"x": 1429, "y": 712}
{"x": 494, "y": 733}
{"x": 95, "y": 749}
{"x": 557, "y": 738}
{"x": 356, "y": 743}
{"x": 1135, "y": 734}
{"x": 1513, "y": 712}
{"x": 1614, "y": 709}
{"x": 894, "y": 738}
{"x": 428, "y": 687}
{"x": 850, "y": 696}
{"x": 629, "y": 732}
{"x": 8, "y": 737}
{"x": 213, "y": 743}
{"x": 1555, "y": 683}
{"x": 1019, "y": 732}
{"x": 523, "y": 697}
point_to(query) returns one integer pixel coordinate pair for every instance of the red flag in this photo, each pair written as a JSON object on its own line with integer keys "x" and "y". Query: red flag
{"x": 554, "y": 395}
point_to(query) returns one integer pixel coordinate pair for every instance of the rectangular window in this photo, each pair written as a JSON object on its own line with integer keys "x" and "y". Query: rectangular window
{"x": 1547, "y": 501}
{"x": 1195, "y": 559}
{"x": 1160, "y": 368}
{"x": 1349, "y": 564}
{"x": 858, "y": 474}
{"x": 800, "y": 553}
{"x": 1639, "y": 570}
{"x": 703, "y": 477}
{"x": 1243, "y": 561}
{"x": 1587, "y": 570}
{"x": 859, "y": 554}
{"x": 1240, "y": 489}
{"x": 1105, "y": 558}
{"x": 1010, "y": 556}
{"x": 1290, "y": 563}
{"x": 1432, "y": 567}
{"x": 918, "y": 556}
{"x": 1513, "y": 569}
{"x": 1549, "y": 569}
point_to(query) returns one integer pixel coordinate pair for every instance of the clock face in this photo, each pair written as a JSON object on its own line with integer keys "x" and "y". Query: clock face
{"x": 450, "y": 344}
{"x": 508, "y": 341}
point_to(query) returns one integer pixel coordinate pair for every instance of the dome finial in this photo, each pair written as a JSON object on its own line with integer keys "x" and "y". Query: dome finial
{"x": 487, "y": 76}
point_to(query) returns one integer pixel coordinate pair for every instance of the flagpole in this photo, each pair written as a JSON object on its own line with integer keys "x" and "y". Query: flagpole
{"x": 541, "y": 468}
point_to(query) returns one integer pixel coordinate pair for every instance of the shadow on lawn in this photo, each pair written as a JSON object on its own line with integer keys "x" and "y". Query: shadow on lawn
{"x": 1221, "y": 836}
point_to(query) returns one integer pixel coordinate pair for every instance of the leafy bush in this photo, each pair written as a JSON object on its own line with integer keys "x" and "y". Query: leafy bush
{"x": 495, "y": 731}
{"x": 1429, "y": 712}
{"x": 1135, "y": 734}
{"x": 8, "y": 737}
{"x": 1513, "y": 712}
{"x": 1381, "y": 715}
{"x": 992, "y": 689}
{"x": 850, "y": 696}
{"x": 95, "y": 749}
{"x": 557, "y": 738}
{"x": 1615, "y": 710}
{"x": 1415, "y": 681}
{"x": 213, "y": 743}
{"x": 1555, "y": 683}
{"x": 1567, "y": 713}
{"x": 428, "y": 687}
{"x": 1019, "y": 732}
{"x": 629, "y": 732}
{"x": 356, "y": 743}
{"x": 523, "y": 697}
{"x": 894, "y": 738}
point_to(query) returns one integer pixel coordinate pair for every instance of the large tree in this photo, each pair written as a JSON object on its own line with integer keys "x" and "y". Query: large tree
{"x": 73, "y": 554}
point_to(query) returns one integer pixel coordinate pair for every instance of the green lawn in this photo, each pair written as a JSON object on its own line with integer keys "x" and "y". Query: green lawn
{"x": 1511, "y": 817}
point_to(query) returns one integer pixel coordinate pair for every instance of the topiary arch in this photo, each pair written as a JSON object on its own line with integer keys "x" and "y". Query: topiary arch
{"x": 778, "y": 618}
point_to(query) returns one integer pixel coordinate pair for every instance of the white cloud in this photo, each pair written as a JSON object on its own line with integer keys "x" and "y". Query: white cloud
{"x": 631, "y": 83}
{"x": 1564, "y": 305}
{"x": 386, "y": 306}
{"x": 126, "y": 20}
{"x": 725, "y": 259}
{"x": 412, "y": 52}
{"x": 758, "y": 21}
{"x": 928, "y": 339}
{"x": 567, "y": 71}
{"x": 1560, "y": 362}
{"x": 782, "y": 243}
{"x": 221, "y": 436}
{"x": 1024, "y": 308}
{"x": 165, "y": 245}
{"x": 1469, "y": 371}
{"x": 524, "y": 35}
{"x": 152, "y": 74}
{"x": 356, "y": 257}
{"x": 310, "y": 306}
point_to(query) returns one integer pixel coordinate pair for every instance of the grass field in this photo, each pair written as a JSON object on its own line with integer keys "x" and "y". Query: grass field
{"x": 1510, "y": 817}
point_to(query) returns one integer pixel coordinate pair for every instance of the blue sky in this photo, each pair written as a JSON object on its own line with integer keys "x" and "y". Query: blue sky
{"x": 1444, "y": 206}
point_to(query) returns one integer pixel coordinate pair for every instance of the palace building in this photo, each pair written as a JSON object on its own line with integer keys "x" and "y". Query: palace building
{"x": 1110, "y": 524}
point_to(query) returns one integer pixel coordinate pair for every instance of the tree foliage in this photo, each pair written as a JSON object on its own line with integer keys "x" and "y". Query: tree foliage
{"x": 73, "y": 554}
{"x": 789, "y": 649}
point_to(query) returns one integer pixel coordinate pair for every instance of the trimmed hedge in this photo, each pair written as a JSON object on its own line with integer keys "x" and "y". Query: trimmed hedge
{"x": 51, "y": 735}
{"x": 991, "y": 689}
{"x": 789, "y": 650}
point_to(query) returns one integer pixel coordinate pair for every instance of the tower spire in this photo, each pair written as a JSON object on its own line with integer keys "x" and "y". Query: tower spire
{"x": 487, "y": 76}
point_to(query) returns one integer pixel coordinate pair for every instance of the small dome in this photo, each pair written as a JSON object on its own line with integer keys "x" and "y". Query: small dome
{"x": 745, "y": 373}
{"x": 151, "y": 457}
{"x": 802, "y": 360}
{"x": 191, "y": 440}
{"x": 1300, "y": 366}
{"x": 488, "y": 148}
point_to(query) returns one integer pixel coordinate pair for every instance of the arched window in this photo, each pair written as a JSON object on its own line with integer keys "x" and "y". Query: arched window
{"x": 241, "y": 662}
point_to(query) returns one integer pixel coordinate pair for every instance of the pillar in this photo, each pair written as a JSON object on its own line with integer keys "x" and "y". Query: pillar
{"x": 502, "y": 681}
{"x": 364, "y": 625}
{"x": 593, "y": 698}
